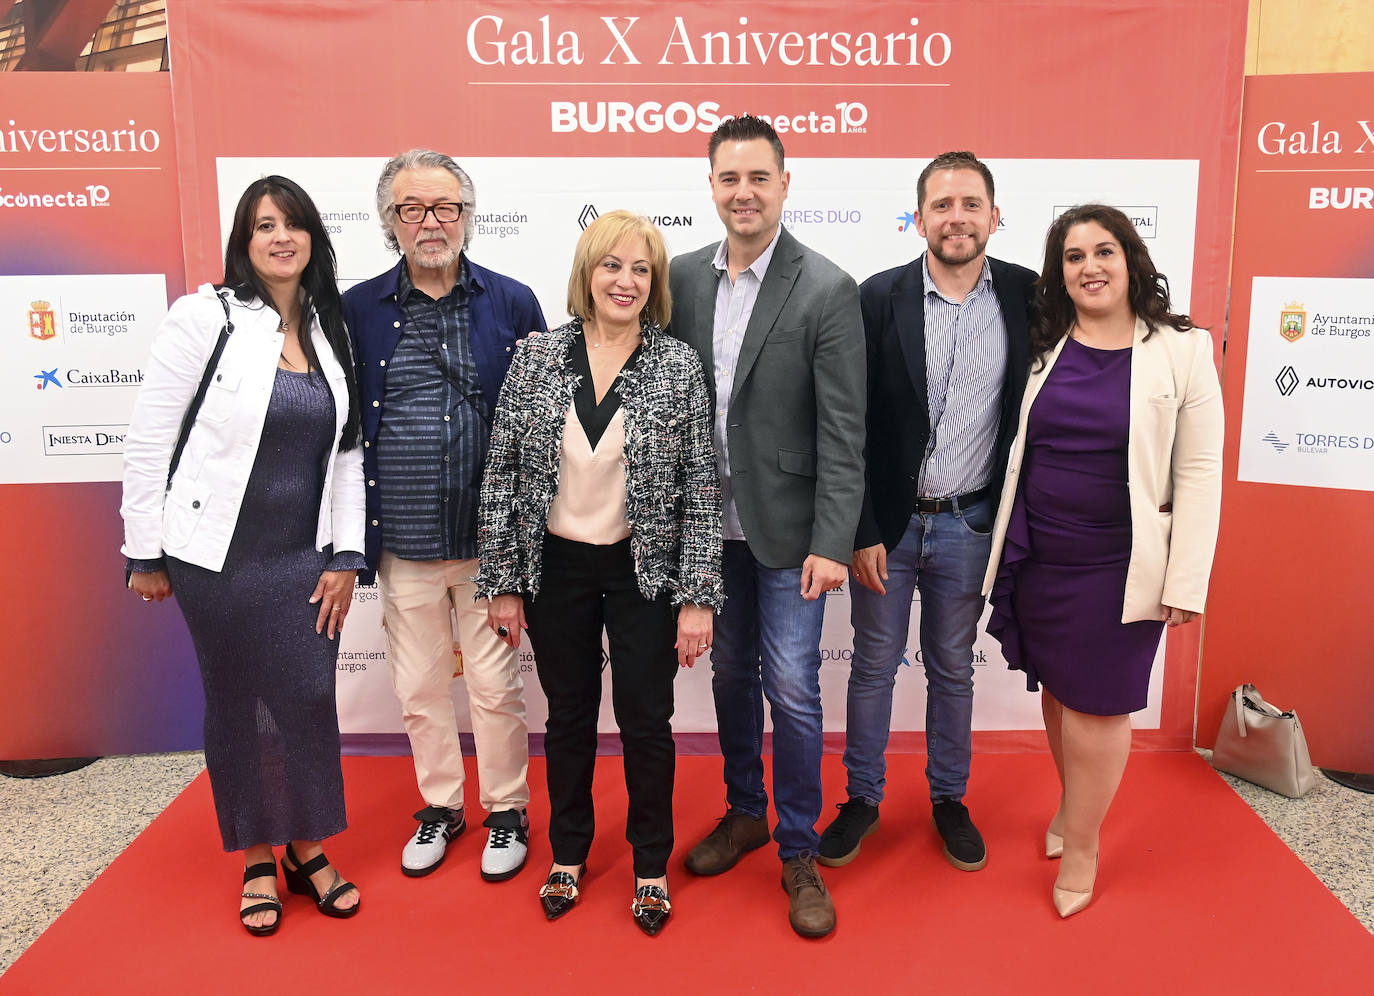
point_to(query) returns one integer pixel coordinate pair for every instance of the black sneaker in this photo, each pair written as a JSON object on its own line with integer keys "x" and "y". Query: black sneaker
{"x": 964, "y": 845}
{"x": 840, "y": 842}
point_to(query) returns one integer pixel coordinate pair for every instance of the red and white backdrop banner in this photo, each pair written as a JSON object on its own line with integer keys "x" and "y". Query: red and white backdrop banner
{"x": 90, "y": 252}
{"x": 561, "y": 110}
{"x": 1290, "y": 612}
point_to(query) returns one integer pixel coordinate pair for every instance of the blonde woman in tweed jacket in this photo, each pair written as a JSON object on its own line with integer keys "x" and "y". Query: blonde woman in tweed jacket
{"x": 601, "y": 508}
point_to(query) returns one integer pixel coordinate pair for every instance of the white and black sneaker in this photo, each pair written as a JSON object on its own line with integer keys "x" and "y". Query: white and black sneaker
{"x": 507, "y": 844}
{"x": 424, "y": 852}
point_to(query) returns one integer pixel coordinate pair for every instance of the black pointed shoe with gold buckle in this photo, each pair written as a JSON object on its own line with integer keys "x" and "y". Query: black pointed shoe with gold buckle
{"x": 559, "y": 892}
{"x": 651, "y": 909}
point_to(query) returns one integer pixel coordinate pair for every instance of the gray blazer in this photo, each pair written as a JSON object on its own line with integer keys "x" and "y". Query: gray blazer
{"x": 795, "y": 426}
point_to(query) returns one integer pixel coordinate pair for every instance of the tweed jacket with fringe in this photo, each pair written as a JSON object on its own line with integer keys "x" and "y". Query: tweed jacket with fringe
{"x": 672, "y": 492}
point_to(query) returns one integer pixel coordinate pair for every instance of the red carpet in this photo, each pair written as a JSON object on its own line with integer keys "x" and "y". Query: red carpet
{"x": 1195, "y": 895}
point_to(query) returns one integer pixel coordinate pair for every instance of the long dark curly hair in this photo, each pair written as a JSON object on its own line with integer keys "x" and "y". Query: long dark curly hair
{"x": 319, "y": 281}
{"x": 1148, "y": 292}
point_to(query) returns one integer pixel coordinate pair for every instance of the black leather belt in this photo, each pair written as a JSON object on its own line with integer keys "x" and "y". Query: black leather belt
{"x": 935, "y": 506}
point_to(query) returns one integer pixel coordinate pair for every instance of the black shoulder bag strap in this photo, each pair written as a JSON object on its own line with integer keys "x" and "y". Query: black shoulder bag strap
{"x": 189, "y": 419}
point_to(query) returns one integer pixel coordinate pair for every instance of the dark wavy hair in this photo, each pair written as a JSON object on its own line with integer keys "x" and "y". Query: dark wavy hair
{"x": 1148, "y": 290}
{"x": 319, "y": 283}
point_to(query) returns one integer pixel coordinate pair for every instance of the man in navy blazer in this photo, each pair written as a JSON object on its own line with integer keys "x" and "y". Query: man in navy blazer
{"x": 948, "y": 348}
{"x": 433, "y": 337}
{"x": 778, "y": 330}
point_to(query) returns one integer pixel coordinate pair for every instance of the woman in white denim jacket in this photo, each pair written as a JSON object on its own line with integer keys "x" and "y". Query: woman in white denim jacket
{"x": 259, "y": 534}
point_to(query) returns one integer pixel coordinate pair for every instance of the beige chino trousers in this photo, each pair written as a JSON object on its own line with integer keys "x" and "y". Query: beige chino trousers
{"x": 417, "y": 598}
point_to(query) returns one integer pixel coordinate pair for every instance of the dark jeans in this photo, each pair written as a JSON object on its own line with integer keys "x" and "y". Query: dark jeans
{"x": 583, "y": 589}
{"x": 767, "y": 645}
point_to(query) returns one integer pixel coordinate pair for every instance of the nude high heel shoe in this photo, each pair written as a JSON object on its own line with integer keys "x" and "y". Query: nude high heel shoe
{"x": 1054, "y": 845}
{"x": 1068, "y": 902}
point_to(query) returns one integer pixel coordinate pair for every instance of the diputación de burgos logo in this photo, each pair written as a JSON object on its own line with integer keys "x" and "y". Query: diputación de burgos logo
{"x": 845, "y": 117}
{"x": 500, "y": 224}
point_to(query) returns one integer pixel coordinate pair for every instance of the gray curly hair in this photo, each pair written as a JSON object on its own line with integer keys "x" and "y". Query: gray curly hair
{"x": 420, "y": 159}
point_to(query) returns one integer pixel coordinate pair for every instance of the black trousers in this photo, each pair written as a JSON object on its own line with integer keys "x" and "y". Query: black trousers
{"x": 583, "y": 589}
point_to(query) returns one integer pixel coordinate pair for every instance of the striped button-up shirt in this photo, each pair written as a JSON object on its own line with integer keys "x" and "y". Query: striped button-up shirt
{"x": 966, "y": 367}
{"x": 734, "y": 307}
{"x": 435, "y": 426}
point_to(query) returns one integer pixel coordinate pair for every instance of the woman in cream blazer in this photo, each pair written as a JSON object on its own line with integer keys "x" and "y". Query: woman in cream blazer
{"x": 1084, "y": 577}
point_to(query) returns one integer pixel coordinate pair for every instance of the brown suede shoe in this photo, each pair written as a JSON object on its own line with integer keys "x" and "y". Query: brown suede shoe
{"x": 809, "y": 909}
{"x": 735, "y": 836}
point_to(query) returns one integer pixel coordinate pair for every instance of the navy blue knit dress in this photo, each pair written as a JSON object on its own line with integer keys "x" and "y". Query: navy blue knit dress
{"x": 271, "y": 729}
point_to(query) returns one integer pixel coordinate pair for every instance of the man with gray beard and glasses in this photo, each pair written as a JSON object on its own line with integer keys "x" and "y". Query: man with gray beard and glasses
{"x": 433, "y": 337}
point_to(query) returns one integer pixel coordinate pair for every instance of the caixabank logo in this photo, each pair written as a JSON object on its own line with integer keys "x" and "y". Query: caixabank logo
{"x": 906, "y": 222}
{"x": 82, "y": 377}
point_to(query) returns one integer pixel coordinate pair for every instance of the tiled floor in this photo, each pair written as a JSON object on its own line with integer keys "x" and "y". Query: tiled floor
{"x": 57, "y": 834}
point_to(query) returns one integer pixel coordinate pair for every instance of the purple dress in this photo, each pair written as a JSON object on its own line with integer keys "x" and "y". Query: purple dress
{"x": 1056, "y": 606}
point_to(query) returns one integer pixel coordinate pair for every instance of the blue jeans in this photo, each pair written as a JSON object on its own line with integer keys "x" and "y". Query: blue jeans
{"x": 767, "y": 643}
{"x": 944, "y": 557}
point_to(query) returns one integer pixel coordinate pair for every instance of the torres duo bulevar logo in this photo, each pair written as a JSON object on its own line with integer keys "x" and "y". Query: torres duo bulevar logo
{"x": 1293, "y": 321}
{"x": 42, "y": 321}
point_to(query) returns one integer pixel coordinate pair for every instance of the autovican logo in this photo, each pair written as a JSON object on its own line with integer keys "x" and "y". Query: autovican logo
{"x": 589, "y": 214}
{"x": 650, "y": 117}
{"x": 92, "y": 195}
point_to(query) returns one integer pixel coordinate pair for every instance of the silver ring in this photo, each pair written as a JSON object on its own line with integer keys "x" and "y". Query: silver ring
{"x": 502, "y": 632}
{"x": 147, "y": 598}
{"x": 701, "y": 646}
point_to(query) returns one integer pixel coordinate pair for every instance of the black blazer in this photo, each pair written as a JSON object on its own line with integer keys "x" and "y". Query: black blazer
{"x": 893, "y": 305}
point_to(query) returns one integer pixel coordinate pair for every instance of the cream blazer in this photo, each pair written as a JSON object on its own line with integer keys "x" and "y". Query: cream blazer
{"x": 1173, "y": 459}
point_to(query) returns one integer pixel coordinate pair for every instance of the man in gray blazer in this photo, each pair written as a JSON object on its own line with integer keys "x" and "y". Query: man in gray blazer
{"x": 780, "y": 334}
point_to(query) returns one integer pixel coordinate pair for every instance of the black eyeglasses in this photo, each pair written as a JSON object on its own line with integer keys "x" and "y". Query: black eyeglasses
{"x": 413, "y": 214}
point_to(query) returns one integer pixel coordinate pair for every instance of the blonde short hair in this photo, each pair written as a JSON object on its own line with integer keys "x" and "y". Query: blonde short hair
{"x": 600, "y": 238}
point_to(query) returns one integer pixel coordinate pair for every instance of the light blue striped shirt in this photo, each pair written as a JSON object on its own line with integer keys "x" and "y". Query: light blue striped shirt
{"x": 734, "y": 307}
{"x": 966, "y": 367}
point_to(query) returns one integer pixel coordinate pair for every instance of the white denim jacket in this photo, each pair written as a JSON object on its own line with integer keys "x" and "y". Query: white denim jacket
{"x": 194, "y": 520}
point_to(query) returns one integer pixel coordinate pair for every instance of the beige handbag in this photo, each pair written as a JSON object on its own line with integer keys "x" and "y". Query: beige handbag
{"x": 1263, "y": 744}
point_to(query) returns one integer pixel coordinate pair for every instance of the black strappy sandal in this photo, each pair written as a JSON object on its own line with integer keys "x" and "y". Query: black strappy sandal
{"x": 298, "y": 881}
{"x": 263, "y": 869}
